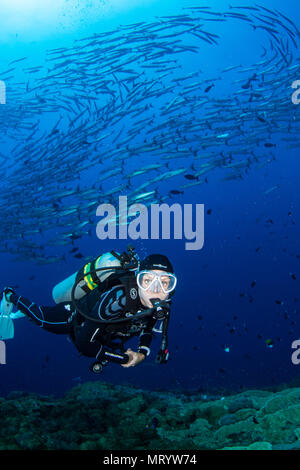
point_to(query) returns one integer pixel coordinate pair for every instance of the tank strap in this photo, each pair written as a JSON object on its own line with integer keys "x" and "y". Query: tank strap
{"x": 91, "y": 279}
{"x": 131, "y": 292}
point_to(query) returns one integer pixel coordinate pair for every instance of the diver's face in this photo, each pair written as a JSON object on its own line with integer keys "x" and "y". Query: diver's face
{"x": 154, "y": 291}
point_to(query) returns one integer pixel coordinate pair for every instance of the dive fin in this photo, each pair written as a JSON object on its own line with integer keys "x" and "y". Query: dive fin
{"x": 16, "y": 315}
{"x": 6, "y": 323}
{"x": 7, "y": 330}
{"x": 5, "y": 306}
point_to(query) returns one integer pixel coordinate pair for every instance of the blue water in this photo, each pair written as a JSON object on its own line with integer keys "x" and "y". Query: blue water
{"x": 217, "y": 338}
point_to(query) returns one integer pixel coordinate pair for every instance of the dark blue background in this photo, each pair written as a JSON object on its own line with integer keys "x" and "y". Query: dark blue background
{"x": 208, "y": 313}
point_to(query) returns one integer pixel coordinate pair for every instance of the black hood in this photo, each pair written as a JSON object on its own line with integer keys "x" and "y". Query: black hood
{"x": 157, "y": 262}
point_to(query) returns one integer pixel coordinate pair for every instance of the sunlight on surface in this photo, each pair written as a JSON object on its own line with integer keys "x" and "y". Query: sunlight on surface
{"x": 26, "y": 8}
{"x": 40, "y": 19}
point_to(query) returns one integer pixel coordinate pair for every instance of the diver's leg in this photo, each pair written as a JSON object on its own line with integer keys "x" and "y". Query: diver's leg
{"x": 53, "y": 319}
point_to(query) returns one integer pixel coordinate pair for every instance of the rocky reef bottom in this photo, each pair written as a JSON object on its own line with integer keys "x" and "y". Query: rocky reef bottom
{"x": 102, "y": 416}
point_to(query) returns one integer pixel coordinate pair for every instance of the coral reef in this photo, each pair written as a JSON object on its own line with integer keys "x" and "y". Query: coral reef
{"x": 98, "y": 415}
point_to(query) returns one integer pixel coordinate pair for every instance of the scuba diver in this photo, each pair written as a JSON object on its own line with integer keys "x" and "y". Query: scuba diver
{"x": 110, "y": 300}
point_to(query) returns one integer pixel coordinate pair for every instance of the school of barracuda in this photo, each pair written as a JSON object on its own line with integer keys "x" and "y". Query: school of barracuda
{"x": 120, "y": 112}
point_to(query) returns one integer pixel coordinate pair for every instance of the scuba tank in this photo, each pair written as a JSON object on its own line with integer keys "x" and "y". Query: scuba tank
{"x": 86, "y": 279}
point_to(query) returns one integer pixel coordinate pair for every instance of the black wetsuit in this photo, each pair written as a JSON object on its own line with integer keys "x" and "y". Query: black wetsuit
{"x": 90, "y": 337}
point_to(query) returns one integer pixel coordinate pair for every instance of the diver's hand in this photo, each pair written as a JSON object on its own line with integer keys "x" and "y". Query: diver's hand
{"x": 134, "y": 358}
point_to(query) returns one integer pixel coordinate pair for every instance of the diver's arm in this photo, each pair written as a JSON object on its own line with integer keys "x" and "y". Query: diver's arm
{"x": 146, "y": 337}
{"x": 144, "y": 346}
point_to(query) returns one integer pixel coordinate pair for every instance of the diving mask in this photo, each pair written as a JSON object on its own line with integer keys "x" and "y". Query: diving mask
{"x": 156, "y": 282}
